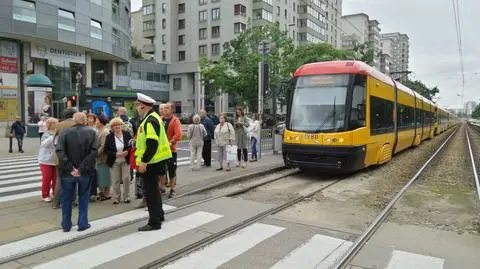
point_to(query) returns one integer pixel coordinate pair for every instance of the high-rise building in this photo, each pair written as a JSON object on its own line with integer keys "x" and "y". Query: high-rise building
{"x": 180, "y": 32}
{"x": 397, "y": 46}
{"x": 360, "y": 29}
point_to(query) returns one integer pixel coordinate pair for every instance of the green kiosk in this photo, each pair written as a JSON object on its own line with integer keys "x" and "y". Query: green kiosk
{"x": 39, "y": 101}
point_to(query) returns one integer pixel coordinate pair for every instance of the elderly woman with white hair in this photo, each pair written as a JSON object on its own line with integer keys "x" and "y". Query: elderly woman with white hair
{"x": 46, "y": 159}
{"x": 196, "y": 132}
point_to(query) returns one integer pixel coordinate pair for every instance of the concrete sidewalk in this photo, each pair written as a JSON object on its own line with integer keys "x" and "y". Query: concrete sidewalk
{"x": 31, "y": 216}
{"x": 30, "y": 147}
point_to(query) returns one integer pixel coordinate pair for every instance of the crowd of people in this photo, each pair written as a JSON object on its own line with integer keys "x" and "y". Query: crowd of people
{"x": 87, "y": 158}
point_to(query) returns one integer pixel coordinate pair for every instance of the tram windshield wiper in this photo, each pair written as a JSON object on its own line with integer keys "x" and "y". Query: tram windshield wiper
{"x": 330, "y": 115}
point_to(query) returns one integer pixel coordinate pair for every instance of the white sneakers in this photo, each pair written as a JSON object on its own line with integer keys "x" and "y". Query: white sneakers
{"x": 47, "y": 200}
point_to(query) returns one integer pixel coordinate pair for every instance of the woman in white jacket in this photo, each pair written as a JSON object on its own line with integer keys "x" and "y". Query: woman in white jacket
{"x": 224, "y": 136}
{"x": 254, "y": 131}
{"x": 46, "y": 159}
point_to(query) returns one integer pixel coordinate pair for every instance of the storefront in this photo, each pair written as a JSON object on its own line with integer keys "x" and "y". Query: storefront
{"x": 9, "y": 83}
{"x": 61, "y": 66}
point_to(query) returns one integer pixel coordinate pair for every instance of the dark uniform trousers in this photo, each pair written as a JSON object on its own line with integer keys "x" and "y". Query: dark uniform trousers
{"x": 207, "y": 152}
{"x": 152, "y": 193}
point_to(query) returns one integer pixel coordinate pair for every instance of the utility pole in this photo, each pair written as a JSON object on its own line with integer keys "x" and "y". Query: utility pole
{"x": 78, "y": 77}
{"x": 263, "y": 49}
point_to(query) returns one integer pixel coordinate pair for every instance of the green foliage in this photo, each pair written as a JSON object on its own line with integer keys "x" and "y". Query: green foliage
{"x": 421, "y": 88}
{"x": 366, "y": 52}
{"x": 476, "y": 112}
{"x": 310, "y": 53}
{"x": 237, "y": 70}
{"x": 136, "y": 53}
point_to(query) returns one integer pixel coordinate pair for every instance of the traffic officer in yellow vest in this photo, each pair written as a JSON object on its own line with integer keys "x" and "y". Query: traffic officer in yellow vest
{"x": 152, "y": 149}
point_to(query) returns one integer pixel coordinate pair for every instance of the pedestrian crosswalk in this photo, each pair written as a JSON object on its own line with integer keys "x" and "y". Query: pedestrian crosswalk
{"x": 20, "y": 177}
{"x": 317, "y": 252}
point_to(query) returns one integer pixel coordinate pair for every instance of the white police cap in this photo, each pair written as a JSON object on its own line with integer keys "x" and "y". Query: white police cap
{"x": 145, "y": 99}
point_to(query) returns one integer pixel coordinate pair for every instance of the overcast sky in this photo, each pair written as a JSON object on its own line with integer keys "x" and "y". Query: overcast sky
{"x": 430, "y": 25}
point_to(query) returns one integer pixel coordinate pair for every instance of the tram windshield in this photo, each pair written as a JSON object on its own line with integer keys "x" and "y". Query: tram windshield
{"x": 318, "y": 104}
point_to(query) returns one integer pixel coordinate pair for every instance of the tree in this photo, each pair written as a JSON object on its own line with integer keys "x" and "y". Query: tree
{"x": 136, "y": 53}
{"x": 476, "y": 112}
{"x": 366, "y": 52}
{"x": 237, "y": 70}
{"x": 421, "y": 88}
{"x": 310, "y": 53}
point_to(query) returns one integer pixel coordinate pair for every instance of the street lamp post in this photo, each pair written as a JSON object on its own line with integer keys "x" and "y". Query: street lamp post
{"x": 78, "y": 77}
{"x": 263, "y": 48}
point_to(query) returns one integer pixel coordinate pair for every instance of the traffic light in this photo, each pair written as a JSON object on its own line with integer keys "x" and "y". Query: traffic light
{"x": 265, "y": 80}
{"x": 73, "y": 100}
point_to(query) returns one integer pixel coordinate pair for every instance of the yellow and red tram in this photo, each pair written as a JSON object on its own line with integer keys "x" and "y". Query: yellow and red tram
{"x": 346, "y": 115}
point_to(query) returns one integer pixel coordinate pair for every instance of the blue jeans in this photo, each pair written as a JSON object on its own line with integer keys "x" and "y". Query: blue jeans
{"x": 68, "y": 192}
{"x": 254, "y": 148}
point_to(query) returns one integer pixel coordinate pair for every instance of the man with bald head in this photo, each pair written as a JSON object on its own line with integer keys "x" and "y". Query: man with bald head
{"x": 77, "y": 151}
{"x": 207, "y": 140}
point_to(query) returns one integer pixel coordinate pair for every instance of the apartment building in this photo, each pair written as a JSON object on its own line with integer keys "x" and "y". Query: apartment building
{"x": 396, "y": 45}
{"x": 360, "y": 29}
{"x": 180, "y": 32}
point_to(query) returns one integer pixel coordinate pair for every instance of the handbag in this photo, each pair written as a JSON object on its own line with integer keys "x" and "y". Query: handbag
{"x": 231, "y": 153}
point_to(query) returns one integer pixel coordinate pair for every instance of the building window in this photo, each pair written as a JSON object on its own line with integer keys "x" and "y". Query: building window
{"x": 202, "y": 2}
{"x": 216, "y": 49}
{"x": 148, "y": 9}
{"x": 164, "y": 23}
{"x": 181, "y": 40}
{"x": 177, "y": 84}
{"x": 24, "y": 11}
{"x": 148, "y": 25}
{"x": 215, "y": 14}
{"x": 181, "y": 8}
{"x": 215, "y": 1}
{"x": 240, "y": 10}
{"x": 164, "y": 39}
{"x": 215, "y": 31}
{"x": 164, "y": 7}
{"x": 202, "y": 15}
{"x": 202, "y": 33}
{"x": 95, "y": 29}
{"x": 164, "y": 55}
{"x": 181, "y": 55}
{"x": 239, "y": 27}
{"x": 115, "y": 37}
{"x": 181, "y": 24}
{"x": 66, "y": 20}
{"x": 202, "y": 50}
{"x": 98, "y": 2}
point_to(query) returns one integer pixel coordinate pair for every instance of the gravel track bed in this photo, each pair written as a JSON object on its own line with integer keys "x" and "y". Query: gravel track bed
{"x": 444, "y": 196}
{"x": 351, "y": 205}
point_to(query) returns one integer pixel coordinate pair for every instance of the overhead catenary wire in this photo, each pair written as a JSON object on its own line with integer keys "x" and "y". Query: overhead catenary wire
{"x": 458, "y": 30}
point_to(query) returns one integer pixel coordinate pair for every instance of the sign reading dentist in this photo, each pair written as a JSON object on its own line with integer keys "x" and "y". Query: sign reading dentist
{"x": 55, "y": 53}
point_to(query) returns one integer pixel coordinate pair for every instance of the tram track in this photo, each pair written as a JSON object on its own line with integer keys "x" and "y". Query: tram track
{"x": 256, "y": 180}
{"x": 360, "y": 242}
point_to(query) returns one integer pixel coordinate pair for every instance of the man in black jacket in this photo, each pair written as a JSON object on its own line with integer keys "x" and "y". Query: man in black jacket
{"x": 77, "y": 150}
{"x": 207, "y": 140}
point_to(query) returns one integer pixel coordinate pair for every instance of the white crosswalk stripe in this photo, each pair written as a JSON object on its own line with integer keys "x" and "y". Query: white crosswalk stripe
{"x": 317, "y": 252}
{"x": 20, "y": 177}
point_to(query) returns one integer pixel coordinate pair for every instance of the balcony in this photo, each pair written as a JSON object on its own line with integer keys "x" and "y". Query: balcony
{"x": 149, "y": 33}
{"x": 149, "y": 48}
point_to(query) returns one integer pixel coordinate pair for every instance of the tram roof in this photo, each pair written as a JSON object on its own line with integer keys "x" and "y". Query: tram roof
{"x": 353, "y": 67}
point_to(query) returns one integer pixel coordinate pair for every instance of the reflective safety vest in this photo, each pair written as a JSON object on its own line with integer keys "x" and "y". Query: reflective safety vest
{"x": 148, "y": 130}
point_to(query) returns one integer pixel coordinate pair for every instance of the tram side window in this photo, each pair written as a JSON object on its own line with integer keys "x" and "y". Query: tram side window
{"x": 381, "y": 115}
{"x": 405, "y": 117}
{"x": 357, "y": 118}
{"x": 419, "y": 117}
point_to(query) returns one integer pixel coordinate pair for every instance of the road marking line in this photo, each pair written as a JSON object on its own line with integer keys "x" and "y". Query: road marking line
{"x": 406, "y": 260}
{"x": 15, "y": 164}
{"x": 114, "y": 249}
{"x": 20, "y": 180}
{"x": 20, "y": 187}
{"x": 311, "y": 253}
{"x": 19, "y": 196}
{"x": 228, "y": 248}
{"x": 36, "y": 173}
{"x": 55, "y": 237}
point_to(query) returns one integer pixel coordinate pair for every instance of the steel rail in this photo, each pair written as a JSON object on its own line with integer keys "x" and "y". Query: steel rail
{"x": 373, "y": 227}
{"x": 232, "y": 229}
{"x": 289, "y": 172}
{"x": 474, "y": 167}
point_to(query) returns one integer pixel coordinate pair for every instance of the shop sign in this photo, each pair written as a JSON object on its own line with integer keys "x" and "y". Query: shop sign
{"x": 57, "y": 54}
{"x": 8, "y": 64}
{"x": 8, "y": 93}
{"x": 8, "y": 49}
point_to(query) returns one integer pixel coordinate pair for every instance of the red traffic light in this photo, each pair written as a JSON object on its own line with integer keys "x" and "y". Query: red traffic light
{"x": 74, "y": 98}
